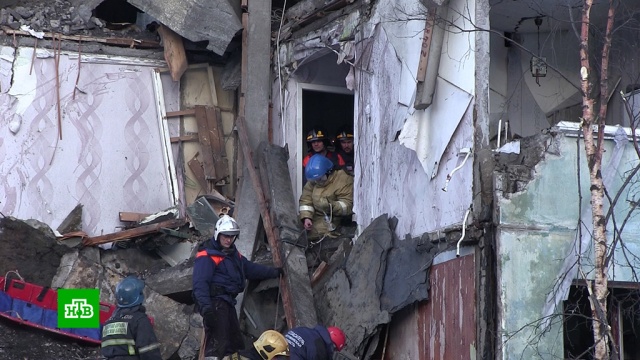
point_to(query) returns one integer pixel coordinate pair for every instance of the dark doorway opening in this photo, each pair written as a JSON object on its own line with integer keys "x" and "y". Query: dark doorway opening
{"x": 117, "y": 12}
{"x": 327, "y": 111}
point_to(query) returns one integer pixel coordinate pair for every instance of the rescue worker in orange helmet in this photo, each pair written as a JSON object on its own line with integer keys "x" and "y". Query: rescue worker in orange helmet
{"x": 317, "y": 143}
{"x": 219, "y": 274}
{"x": 345, "y": 148}
{"x": 326, "y": 198}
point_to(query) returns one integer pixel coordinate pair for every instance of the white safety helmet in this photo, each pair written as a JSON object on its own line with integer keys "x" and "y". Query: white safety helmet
{"x": 226, "y": 225}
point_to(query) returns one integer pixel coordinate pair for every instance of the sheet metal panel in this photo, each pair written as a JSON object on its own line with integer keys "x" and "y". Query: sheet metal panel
{"x": 447, "y": 321}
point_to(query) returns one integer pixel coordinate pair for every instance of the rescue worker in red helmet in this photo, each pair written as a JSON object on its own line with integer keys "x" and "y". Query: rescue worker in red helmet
{"x": 345, "y": 149}
{"x": 317, "y": 343}
{"x": 128, "y": 334}
{"x": 326, "y": 198}
{"x": 219, "y": 274}
{"x": 317, "y": 143}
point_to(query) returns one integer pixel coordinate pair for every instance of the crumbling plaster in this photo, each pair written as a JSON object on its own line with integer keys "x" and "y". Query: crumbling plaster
{"x": 536, "y": 230}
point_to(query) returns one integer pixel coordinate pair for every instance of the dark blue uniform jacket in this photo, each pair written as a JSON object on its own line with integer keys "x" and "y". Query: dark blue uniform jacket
{"x": 218, "y": 274}
{"x": 309, "y": 343}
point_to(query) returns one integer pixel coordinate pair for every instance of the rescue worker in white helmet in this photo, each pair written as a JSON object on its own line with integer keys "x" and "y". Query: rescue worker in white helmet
{"x": 219, "y": 275}
{"x": 128, "y": 334}
{"x": 326, "y": 198}
{"x": 317, "y": 143}
{"x": 269, "y": 345}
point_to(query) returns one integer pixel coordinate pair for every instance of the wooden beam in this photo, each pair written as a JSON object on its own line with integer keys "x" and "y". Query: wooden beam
{"x": 214, "y": 122}
{"x": 132, "y": 43}
{"x": 205, "y": 143}
{"x": 317, "y": 275}
{"x": 269, "y": 226}
{"x": 131, "y": 216}
{"x": 180, "y": 113}
{"x": 190, "y": 137}
{"x": 174, "y": 52}
{"x": 131, "y": 233}
{"x": 198, "y": 171}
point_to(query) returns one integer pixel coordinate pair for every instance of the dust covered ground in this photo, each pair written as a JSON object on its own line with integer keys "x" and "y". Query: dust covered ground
{"x": 36, "y": 256}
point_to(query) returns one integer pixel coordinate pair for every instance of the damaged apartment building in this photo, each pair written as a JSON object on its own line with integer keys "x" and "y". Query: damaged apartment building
{"x": 130, "y": 126}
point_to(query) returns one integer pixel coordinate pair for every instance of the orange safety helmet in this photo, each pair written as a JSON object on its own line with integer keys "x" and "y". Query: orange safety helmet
{"x": 337, "y": 336}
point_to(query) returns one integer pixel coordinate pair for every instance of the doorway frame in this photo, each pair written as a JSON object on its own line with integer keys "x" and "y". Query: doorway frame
{"x": 299, "y": 125}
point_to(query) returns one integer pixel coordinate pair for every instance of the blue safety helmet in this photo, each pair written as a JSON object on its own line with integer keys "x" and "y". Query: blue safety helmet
{"x": 129, "y": 292}
{"x": 317, "y": 166}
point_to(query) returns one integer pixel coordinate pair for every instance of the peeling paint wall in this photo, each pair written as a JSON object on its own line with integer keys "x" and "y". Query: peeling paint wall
{"x": 537, "y": 223}
{"x": 110, "y": 157}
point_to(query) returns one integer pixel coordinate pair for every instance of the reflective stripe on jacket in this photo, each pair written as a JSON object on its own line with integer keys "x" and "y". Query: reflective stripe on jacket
{"x": 337, "y": 191}
{"x": 128, "y": 334}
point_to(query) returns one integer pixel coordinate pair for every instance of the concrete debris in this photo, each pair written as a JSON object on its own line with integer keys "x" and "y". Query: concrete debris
{"x": 357, "y": 284}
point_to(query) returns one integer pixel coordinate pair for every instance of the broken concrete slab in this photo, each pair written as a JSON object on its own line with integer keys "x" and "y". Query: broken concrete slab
{"x": 203, "y": 216}
{"x": 86, "y": 269}
{"x": 197, "y": 20}
{"x": 31, "y": 248}
{"x": 358, "y": 285}
{"x": 172, "y": 280}
{"x": 73, "y": 221}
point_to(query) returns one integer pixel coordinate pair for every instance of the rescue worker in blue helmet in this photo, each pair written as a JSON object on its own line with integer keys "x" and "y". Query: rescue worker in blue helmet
{"x": 326, "y": 198}
{"x": 128, "y": 334}
{"x": 219, "y": 274}
{"x": 317, "y": 343}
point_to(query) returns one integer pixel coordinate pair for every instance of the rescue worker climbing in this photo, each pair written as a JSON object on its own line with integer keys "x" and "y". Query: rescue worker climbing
{"x": 317, "y": 143}
{"x": 219, "y": 274}
{"x": 269, "y": 345}
{"x": 345, "y": 148}
{"x": 326, "y": 198}
{"x": 128, "y": 334}
{"x": 317, "y": 343}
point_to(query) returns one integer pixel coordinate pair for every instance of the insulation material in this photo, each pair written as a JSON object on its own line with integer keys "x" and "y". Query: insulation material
{"x": 429, "y": 132}
{"x": 102, "y": 148}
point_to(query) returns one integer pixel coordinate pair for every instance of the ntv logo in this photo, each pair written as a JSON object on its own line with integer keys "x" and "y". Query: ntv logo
{"x": 78, "y": 309}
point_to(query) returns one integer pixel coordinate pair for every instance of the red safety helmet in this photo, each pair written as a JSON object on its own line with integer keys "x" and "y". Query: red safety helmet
{"x": 337, "y": 336}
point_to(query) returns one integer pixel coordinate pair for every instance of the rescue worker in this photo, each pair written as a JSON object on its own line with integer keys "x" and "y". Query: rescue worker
{"x": 219, "y": 274}
{"x": 317, "y": 343}
{"x": 326, "y": 198}
{"x": 128, "y": 334}
{"x": 269, "y": 345}
{"x": 317, "y": 143}
{"x": 345, "y": 148}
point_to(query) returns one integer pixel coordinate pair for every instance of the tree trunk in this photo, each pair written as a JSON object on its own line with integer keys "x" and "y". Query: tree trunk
{"x": 593, "y": 147}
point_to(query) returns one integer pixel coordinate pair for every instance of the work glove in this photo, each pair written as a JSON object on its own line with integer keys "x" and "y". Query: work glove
{"x": 323, "y": 205}
{"x": 209, "y": 319}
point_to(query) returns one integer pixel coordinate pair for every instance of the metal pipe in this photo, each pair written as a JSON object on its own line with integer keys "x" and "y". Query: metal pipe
{"x": 464, "y": 230}
{"x": 499, "y": 132}
{"x": 449, "y": 175}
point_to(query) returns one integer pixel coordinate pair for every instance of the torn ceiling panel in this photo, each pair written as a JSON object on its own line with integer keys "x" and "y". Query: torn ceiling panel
{"x": 197, "y": 20}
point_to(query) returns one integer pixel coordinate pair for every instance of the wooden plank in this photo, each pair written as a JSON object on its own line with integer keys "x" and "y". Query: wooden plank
{"x": 180, "y": 113}
{"x": 131, "y": 233}
{"x": 426, "y": 44}
{"x": 212, "y": 86}
{"x": 174, "y": 53}
{"x": 204, "y": 135}
{"x": 132, "y": 43}
{"x": 317, "y": 275}
{"x": 270, "y": 228}
{"x": 190, "y": 137}
{"x": 196, "y": 168}
{"x": 214, "y": 122}
{"x": 131, "y": 216}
